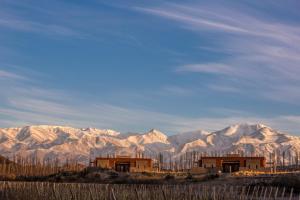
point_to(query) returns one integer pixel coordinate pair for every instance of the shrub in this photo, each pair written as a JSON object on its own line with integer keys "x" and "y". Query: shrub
{"x": 210, "y": 177}
{"x": 169, "y": 177}
{"x": 189, "y": 177}
{"x": 113, "y": 175}
{"x": 147, "y": 174}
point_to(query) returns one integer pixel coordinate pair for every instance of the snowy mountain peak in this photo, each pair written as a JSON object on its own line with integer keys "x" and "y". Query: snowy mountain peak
{"x": 156, "y": 135}
{"x": 100, "y": 131}
{"x": 241, "y": 129}
{"x": 187, "y": 137}
{"x": 156, "y": 132}
{"x": 61, "y": 142}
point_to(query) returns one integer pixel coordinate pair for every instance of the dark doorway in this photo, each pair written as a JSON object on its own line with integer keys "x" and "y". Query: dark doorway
{"x": 231, "y": 166}
{"x": 123, "y": 167}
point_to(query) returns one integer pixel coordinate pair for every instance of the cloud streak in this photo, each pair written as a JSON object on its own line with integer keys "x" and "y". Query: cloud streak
{"x": 264, "y": 49}
{"x": 126, "y": 119}
{"x": 257, "y": 54}
{"x": 51, "y": 21}
{"x": 9, "y": 75}
{"x": 27, "y": 104}
{"x": 33, "y": 105}
{"x": 211, "y": 68}
{"x": 36, "y": 27}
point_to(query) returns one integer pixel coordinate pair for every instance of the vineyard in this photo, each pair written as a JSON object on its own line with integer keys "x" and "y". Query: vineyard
{"x": 30, "y": 179}
{"x": 75, "y": 191}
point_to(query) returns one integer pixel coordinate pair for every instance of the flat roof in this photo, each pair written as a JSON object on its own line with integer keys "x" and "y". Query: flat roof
{"x": 233, "y": 157}
{"x": 120, "y": 158}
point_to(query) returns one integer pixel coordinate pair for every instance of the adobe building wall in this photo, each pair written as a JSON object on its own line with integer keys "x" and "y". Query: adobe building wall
{"x": 199, "y": 170}
{"x": 209, "y": 163}
{"x": 142, "y": 166}
{"x": 252, "y": 163}
{"x": 136, "y": 164}
{"x": 103, "y": 164}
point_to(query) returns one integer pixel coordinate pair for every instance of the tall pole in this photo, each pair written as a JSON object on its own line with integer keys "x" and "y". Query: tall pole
{"x": 283, "y": 158}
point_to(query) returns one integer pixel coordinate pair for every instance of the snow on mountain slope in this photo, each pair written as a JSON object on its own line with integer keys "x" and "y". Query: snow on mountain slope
{"x": 153, "y": 136}
{"x": 59, "y": 142}
{"x": 197, "y": 145}
{"x": 183, "y": 138}
{"x": 240, "y": 129}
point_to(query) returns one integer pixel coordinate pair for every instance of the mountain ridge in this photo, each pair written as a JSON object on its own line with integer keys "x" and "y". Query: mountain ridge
{"x": 82, "y": 144}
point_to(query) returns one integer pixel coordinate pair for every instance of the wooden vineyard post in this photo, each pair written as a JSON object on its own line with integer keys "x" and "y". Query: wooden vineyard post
{"x": 276, "y": 192}
{"x": 291, "y": 194}
{"x": 283, "y": 192}
{"x": 113, "y": 194}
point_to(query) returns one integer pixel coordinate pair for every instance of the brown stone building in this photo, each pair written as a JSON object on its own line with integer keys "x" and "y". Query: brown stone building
{"x": 232, "y": 163}
{"x": 125, "y": 164}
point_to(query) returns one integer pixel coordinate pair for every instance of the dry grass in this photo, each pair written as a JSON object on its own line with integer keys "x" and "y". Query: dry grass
{"x": 251, "y": 173}
{"x": 76, "y": 191}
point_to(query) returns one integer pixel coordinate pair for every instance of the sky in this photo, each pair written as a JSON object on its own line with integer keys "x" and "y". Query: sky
{"x": 136, "y": 65}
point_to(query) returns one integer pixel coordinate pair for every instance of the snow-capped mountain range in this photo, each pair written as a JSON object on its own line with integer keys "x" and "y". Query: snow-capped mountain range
{"x": 59, "y": 142}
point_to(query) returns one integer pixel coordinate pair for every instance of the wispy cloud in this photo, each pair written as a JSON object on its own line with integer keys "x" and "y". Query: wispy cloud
{"x": 192, "y": 20}
{"x": 176, "y": 90}
{"x": 49, "y": 22}
{"x": 62, "y": 19}
{"x": 34, "y": 105}
{"x": 14, "y": 23}
{"x": 9, "y": 75}
{"x": 264, "y": 51}
{"x": 257, "y": 54}
{"x": 224, "y": 88}
{"x": 126, "y": 119}
{"x": 212, "y": 68}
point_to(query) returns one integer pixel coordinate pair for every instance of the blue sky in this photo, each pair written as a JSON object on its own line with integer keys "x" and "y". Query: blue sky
{"x": 136, "y": 65}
